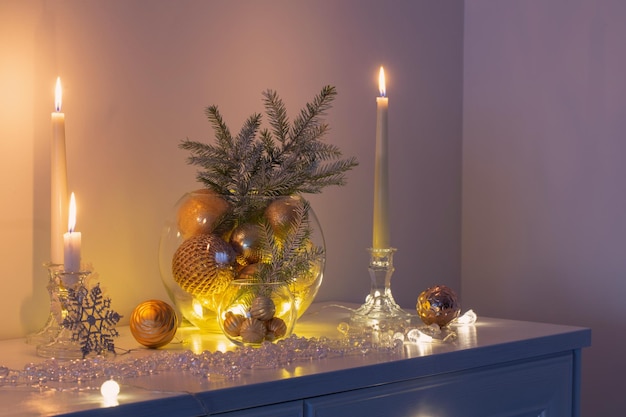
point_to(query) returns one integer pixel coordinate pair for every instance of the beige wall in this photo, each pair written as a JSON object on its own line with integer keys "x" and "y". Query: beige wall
{"x": 137, "y": 76}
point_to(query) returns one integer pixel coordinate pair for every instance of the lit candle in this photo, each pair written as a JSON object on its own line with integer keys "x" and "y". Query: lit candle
{"x": 58, "y": 180}
{"x": 381, "y": 178}
{"x": 72, "y": 241}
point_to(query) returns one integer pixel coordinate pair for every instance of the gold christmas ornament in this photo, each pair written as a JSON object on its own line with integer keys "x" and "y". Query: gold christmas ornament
{"x": 252, "y": 331}
{"x": 153, "y": 323}
{"x": 281, "y": 213}
{"x": 232, "y": 323}
{"x": 438, "y": 305}
{"x": 275, "y": 328}
{"x": 251, "y": 272}
{"x": 262, "y": 308}
{"x": 202, "y": 265}
{"x": 246, "y": 240}
{"x": 201, "y": 213}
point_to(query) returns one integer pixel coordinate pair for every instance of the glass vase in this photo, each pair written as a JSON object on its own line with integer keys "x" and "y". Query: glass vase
{"x": 209, "y": 240}
{"x": 252, "y": 312}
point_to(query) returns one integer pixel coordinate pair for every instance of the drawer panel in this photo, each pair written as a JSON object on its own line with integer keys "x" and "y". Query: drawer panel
{"x": 289, "y": 409}
{"x": 539, "y": 388}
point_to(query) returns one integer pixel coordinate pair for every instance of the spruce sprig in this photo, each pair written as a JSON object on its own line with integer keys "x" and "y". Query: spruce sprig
{"x": 292, "y": 257}
{"x": 282, "y": 159}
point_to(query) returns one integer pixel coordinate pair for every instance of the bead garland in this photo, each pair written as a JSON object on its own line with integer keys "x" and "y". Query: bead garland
{"x": 88, "y": 373}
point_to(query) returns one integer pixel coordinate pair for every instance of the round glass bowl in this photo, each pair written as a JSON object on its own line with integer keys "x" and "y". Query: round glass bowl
{"x": 252, "y": 312}
{"x": 210, "y": 240}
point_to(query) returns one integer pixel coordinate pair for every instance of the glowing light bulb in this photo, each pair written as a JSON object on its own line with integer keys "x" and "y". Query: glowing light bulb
{"x": 109, "y": 390}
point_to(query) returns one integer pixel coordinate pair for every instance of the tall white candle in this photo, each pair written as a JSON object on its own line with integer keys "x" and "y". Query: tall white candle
{"x": 381, "y": 176}
{"x": 72, "y": 241}
{"x": 58, "y": 180}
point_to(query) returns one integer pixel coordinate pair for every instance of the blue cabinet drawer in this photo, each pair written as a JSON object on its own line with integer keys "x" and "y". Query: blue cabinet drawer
{"x": 538, "y": 388}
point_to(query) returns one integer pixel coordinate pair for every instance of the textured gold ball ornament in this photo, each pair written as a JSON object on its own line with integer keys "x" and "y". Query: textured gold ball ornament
{"x": 153, "y": 323}
{"x": 262, "y": 308}
{"x": 202, "y": 265}
{"x": 252, "y": 330}
{"x": 281, "y": 213}
{"x": 438, "y": 305}
{"x": 246, "y": 240}
{"x": 200, "y": 212}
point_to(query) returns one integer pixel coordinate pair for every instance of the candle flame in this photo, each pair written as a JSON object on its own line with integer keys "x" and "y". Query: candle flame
{"x": 71, "y": 224}
{"x": 58, "y": 95}
{"x": 381, "y": 82}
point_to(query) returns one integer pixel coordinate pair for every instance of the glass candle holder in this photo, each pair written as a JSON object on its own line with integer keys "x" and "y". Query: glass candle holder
{"x": 51, "y": 327}
{"x": 63, "y": 345}
{"x": 380, "y": 306}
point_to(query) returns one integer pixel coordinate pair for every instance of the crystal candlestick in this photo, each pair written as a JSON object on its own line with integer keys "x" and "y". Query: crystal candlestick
{"x": 63, "y": 344}
{"x": 379, "y": 306}
{"x": 52, "y": 327}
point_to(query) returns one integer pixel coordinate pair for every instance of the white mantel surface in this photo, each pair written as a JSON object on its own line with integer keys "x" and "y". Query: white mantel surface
{"x": 489, "y": 342}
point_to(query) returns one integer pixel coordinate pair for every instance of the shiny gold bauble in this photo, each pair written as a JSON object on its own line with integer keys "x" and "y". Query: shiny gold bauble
{"x": 438, "y": 305}
{"x": 203, "y": 265}
{"x": 252, "y": 331}
{"x": 262, "y": 308}
{"x": 153, "y": 323}
{"x": 275, "y": 329}
{"x": 251, "y": 272}
{"x": 232, "y": 323}
{"x": 200, "y": 213}
{"x": 246, "y": 240}
{"x": 281, "y": 213}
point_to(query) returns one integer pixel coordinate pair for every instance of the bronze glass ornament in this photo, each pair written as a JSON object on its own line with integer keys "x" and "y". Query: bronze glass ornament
{"x": 262, "y": 308}
{"x": 153, "y": 323}
{"x": 281, "y": 213}
{"x": 252, "y": 331}
{"x": 246, "y": 240}
{"x": 200, "y": 213}
{"x": 276, "y": 329}
{"x": 438, "y": 305}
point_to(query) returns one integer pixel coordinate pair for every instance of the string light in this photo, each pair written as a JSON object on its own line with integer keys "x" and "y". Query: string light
{"x": 110, "y": 390}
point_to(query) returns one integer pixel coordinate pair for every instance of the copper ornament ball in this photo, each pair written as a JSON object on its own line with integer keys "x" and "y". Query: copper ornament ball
{"x": 246, "y": 240}
{"x": 153, "y": 323}
{"x": 438, "y": 305}
{"x": 252, "y": 331}
{"x": 276, "y": 328}
{"x": 281, "y": 213}
{"x": 262, "y": 308}
{"x": 200, "y": 213}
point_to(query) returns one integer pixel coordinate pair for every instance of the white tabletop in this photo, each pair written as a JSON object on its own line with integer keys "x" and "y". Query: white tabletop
{"x": 487, "y": 342}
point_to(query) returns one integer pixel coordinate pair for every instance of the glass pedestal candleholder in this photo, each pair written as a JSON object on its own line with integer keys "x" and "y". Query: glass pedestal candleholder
{"x": 63, "y": 345}
{"x": 52, "y": 327}
{"x": 380, "y": 309}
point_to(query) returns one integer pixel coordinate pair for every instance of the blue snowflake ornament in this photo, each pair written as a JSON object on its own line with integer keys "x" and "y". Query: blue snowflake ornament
{"x": 91, "y": 320}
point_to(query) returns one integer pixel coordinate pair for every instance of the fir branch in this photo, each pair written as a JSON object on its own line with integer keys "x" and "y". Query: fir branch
{"x": 283, "y": 159}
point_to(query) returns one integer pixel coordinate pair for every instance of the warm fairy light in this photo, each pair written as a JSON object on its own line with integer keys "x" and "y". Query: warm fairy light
{"x": 109, "y": 390}
{"x": 468, "y": 318}
{"x": 381, "y": 82}
{"x": 58, "y": 95}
